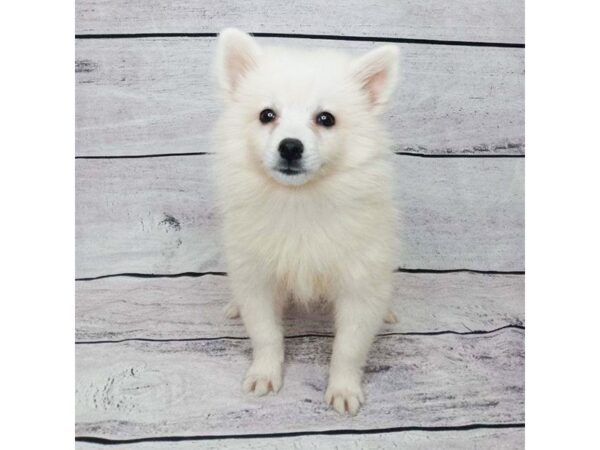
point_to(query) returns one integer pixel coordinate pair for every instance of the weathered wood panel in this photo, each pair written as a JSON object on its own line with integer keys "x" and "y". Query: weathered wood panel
{"x": 158, "y": 215}
{"x": 471, "y": 20}
{"x": 484, "y": 439}
{"x": 162, "y": 308}
{"x": 154, "y": 96}
{"x": 140, "y": 389}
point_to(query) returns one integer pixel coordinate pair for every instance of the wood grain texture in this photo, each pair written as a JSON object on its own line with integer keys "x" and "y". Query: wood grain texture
{"x": 155, "y": 96}
{"x": 503, "y": 439}
{"x": 140, "y": 389}
{"x": 182, "y": 308}
{"x": 158, "y": 215}
{"x": 472, "y": 20}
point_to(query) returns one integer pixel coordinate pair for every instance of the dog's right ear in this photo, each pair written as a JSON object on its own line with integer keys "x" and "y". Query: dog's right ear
{"x": 237, "y": 54}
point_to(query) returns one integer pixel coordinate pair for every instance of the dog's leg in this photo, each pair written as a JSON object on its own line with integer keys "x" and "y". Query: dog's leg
{"x": 357, "y": 319}
{"x": 261, "y": 312}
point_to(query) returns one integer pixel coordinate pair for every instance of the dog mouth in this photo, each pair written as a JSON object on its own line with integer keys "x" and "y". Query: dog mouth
{"x": 290, "y": 171}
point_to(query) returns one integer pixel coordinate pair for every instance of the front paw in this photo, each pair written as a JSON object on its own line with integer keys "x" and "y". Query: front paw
{"x": 263, "y": 378}
{"x": 345, "y": 397}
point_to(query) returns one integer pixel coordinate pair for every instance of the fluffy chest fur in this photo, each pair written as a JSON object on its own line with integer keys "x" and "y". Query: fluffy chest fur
{"x": 307, "y": 241}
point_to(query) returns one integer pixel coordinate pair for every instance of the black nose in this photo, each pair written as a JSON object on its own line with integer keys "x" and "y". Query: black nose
{"x": 291, "y": 149}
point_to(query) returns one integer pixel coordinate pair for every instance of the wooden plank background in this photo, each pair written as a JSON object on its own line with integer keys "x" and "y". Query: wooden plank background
{"x": 158, "y": 215}
{"x": 466, "y": 20}
{"x": 194, "y": 386}
{"x": 188, "y": 307}
{"x": 149, "y": 96}
{"x": 159, "y": 367}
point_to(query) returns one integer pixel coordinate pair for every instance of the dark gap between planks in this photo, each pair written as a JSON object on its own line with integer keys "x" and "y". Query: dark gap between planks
{"x": 420, "y": 155}
{"x": 224, "y": 274}
{"x": 308, "y": 36}
{"x": 473, "y": 426}
{"x": 304, "y": 336}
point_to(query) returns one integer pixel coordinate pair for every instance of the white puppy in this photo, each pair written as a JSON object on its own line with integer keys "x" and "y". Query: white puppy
{"x": 304, "y": 176}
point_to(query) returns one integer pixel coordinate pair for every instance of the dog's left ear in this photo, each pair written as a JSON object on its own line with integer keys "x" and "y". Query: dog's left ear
{"x": 377, "y": 73}
{"x": 237, "y": 54}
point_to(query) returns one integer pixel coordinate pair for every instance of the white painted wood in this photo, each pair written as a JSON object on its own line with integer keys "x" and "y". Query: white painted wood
{"x": 141, "y": 389}
{"x": 158, "y": 215}
{"x": 478, "y": 20}
{"x": 149, "y": 96}
{"x": 501, "y": 439}
{"x": 162, "y": 308}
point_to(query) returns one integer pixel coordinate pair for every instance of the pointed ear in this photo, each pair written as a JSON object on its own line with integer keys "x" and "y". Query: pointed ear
{"x": 377, "y": 74}
{"x": 237, "y": 53}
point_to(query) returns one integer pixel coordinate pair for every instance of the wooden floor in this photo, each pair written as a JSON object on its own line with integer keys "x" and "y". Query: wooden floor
{"x": 159, "y": 366}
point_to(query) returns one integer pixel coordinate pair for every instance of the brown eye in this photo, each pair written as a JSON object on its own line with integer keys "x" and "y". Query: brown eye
{"x": 325, "y": 119}
{"x": 267, "y": 115}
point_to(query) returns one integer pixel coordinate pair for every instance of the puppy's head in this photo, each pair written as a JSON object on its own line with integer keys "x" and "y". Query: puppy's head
{"x": 303, "y": 114}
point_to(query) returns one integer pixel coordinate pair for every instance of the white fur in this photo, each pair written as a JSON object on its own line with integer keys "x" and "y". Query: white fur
{"x": 324, "y": 235}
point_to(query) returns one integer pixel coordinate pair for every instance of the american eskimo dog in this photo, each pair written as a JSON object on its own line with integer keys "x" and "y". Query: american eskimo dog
{"x": 304, "y": 174}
